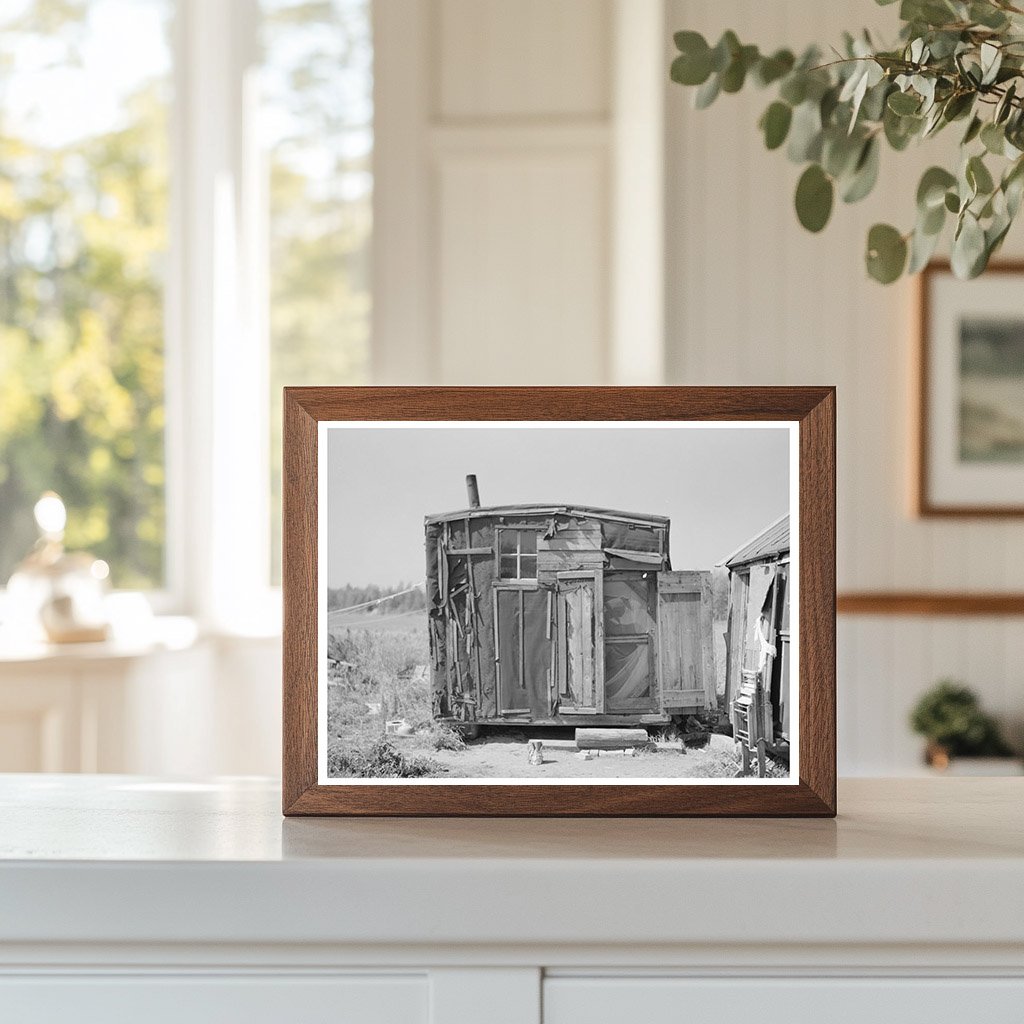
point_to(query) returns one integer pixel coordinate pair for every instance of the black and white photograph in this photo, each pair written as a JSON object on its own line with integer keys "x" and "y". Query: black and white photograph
{"x": 534, "y": 602}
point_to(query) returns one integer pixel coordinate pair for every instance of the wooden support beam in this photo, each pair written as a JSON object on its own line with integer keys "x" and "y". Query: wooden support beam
{"x": 929, "y": 603}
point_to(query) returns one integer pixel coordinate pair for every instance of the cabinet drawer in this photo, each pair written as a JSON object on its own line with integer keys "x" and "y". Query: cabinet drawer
{"x": 570, "y": 1000}
{"x": 202, "y": 999}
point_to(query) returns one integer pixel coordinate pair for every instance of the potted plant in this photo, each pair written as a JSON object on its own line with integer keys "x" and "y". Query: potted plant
{"x": 950, "y": 718}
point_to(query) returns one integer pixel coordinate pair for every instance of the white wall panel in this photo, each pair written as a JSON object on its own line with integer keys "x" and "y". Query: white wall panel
{"x": 527, "y": 58}
{"x": 504, "y": 166}
{"x": 754, "y": 299}
{"x": 521, "y": 281}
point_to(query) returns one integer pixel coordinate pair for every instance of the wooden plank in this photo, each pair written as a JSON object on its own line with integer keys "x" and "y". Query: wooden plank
{"x": 679, "y": 699}
{"x": 680, "y": 581}
{"x": 707, "y": 642}
{"x": 474, "y": 611}
{"x": 564, "y": 561}
{"x": 610, "y": 739}
{"x": 471, "y": 551}
{"x": 599, "y": 639}
{"x": 929, "y": 603}
{"x": 584, "y": 536}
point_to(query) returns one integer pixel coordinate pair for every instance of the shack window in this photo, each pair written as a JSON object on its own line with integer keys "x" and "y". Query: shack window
{"x": 517, "y": 553}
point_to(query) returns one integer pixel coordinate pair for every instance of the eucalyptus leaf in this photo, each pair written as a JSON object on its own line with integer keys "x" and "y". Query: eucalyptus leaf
{"x": 886, "y": 253}
{"x": 973, "y": 130}
{"x": 922, "y": 248}
{"x": 873, "y": 107}
{"x": 968, "y": 248}
{"x": 775, "y": 124}
{"x": 903, "y": 103}
{"x": 1013, "y": 187}
{"x": 735, "y": 74}
{"x": 724, "y": 51}
{"x": 814, "y": 195}
{"x": 931, "y": 190}
{"x": 707, "y": 93}
{"x": 900, "y": 130}
{"x": 987, "y": 15}
{"x": 794, "y": 88}
{"x": 771, "y": 69}
{"x": 692, "y": 68}
{"x": 840, "y": 152}
{"x": 958, "y": 105}
{"x": 1005, "y": 105}
{"x": 932, "y": 221}
{"x": 805, "y": 133}
{"x": 978, "y": 176}
{"x": 865, "y": 173}
{"x": 991, "y": 60}
{"x": 993, "y": 138}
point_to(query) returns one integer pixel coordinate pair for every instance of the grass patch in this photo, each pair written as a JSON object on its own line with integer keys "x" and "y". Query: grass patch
{"x": 374, "y": 676}
{"x": 440, "y": 736}
{"x": 380, "y": 761}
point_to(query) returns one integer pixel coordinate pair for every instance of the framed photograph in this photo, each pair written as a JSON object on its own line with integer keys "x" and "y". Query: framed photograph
{"x": 559, "y": 601}
{"x": 970, "y": 445}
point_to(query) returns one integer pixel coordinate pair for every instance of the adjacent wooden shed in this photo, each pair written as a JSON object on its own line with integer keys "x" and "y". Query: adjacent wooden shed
{"x": 564, "y": 615}
{"x": 758, "y": 638}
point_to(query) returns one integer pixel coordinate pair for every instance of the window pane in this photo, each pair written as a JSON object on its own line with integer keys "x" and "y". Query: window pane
{"x": 509, "y": 568}
{"x": 507, "y": 541}
{"x": 528, "y": 567}
{"x": 317, "y": 121}
{"x": 628, "y": 605}
{"x": 83, "y": 230}
{"x": 528, "y": 541}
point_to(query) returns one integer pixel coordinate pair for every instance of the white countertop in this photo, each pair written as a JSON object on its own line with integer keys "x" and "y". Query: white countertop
{"x": 123, "y": 859}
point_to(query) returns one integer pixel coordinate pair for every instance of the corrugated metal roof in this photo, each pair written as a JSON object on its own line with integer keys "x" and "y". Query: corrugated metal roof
{"x": 580, "y": 510}
{"x": 774, "y": 540}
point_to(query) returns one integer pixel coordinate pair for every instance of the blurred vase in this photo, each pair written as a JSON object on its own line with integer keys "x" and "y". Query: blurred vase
{"x": 58, "y": 595}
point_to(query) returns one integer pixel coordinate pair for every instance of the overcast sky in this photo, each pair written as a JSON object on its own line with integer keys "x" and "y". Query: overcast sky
{"x": 719, "y": 485}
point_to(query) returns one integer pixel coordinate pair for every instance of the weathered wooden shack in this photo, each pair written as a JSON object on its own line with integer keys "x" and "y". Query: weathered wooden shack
{"x": 758, "y": 638}
{"x": 563, "y": 615}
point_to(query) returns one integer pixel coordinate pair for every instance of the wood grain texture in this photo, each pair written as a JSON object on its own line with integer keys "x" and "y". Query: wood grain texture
{"x": 925, "y": 603}
{"x": 812, "y": 407}
{"x": 923, "y": 504}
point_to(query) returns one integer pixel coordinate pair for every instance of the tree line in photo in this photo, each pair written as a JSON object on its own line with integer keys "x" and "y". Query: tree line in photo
{"x": 407, "y": 598}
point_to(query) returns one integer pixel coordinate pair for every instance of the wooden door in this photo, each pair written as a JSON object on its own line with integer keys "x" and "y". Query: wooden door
{"x": 578, "y": 668}
{"x": 522, "y": 651}
{"x": 630, "y": 646}
{"x": 685, "y": 641}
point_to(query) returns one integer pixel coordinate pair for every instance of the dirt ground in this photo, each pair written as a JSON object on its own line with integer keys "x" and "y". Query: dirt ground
{"x": 503, "y": 757}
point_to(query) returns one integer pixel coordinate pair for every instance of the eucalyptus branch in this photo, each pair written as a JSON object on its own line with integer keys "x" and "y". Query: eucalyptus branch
{"x": 955, "y": 59}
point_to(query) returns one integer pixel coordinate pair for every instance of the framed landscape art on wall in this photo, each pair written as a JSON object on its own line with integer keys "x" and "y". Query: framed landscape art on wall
{"x": 970, "y": 445}
{"x": 559, "y": 601}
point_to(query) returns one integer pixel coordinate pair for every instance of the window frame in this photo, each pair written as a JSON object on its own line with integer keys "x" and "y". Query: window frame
{"x": 519, "y": 554}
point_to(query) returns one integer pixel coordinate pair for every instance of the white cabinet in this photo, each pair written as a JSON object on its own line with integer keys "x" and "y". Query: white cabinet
{"x": 175, "y": 704}
{"x": 101, "y": 707}
{"x": 199, "y": 999}
{"x": 133, "y": 899}
{"x": 828, "y": 1000}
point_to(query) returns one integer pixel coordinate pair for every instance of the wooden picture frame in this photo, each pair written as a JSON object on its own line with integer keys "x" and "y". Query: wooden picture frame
{"x": 812, "y": 412}
{"x": 931, "y": 446}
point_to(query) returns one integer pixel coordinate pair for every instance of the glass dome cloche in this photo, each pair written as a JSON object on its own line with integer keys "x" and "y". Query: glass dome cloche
{"x": 54, "y": 594}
